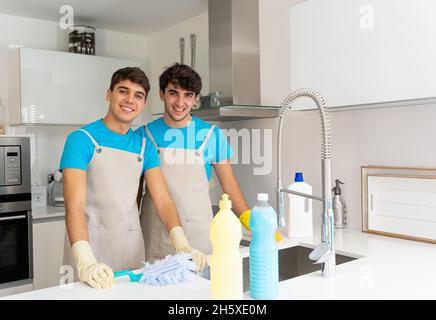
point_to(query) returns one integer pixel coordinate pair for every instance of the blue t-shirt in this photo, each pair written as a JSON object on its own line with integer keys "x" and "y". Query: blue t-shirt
{"x": 216, "y": 150}
{"x": 79, "y": 149}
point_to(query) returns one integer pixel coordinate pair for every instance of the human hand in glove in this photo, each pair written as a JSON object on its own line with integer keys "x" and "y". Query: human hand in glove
{"x": 245, "y": 220}
{"x": 97, "y": 275}
{"x": 181, "y": 244}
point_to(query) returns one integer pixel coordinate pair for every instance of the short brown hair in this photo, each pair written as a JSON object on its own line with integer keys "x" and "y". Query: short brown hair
{"x": 181, "y": 75}
{"x": 134, "y": 74}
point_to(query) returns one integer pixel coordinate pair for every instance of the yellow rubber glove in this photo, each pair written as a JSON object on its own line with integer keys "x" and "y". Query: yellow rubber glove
{"x": 181, "y": 244}
{"x": 245, "y": 220}
{"x": 97, "y": 275}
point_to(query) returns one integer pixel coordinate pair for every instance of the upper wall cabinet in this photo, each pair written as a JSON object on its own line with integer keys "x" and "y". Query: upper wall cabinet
{"x": 53, "y": 87}
{"x": 360, "y": 52}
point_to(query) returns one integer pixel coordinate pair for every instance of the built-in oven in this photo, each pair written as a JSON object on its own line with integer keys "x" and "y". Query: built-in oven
{"x": 15, "y": 210}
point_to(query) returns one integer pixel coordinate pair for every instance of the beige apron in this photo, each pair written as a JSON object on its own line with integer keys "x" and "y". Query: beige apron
{"x": 189, "y": 188}
{"x": 111, "y": 211}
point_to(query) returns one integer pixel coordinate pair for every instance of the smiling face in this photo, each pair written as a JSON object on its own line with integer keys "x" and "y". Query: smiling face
{"x": 127, "y": 101}
{"x": 178, "y": 104}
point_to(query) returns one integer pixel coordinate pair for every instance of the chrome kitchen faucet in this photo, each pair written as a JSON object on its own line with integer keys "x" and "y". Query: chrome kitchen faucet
{"x": 324, "y": 253}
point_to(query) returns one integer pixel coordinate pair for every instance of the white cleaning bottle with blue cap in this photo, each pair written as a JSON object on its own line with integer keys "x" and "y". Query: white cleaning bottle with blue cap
{"x": 299, "y": 215}
{"x": 226, "y": 261}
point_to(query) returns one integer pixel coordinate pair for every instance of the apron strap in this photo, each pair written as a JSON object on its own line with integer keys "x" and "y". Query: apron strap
{"x": 151, "y": 138}
{"x": 206, "y": 139}
{"x": 140, "y": 156}
{"x": 97, "y": 147}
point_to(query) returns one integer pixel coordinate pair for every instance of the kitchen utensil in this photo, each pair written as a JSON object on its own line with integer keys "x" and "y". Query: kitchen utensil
{"x": 205, "y": 101}
{"x": 56, "y": 189}
{"x": 182, "y": 50}
{"x": 215, "y": 98}
{"x": 193, "y": 49}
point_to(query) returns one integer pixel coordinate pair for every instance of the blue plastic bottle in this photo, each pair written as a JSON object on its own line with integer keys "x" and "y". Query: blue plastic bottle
{"x": 264, "y": 270}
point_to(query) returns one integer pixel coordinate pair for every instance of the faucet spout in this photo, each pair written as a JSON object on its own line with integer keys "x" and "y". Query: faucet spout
{"x": 325, "y": 252}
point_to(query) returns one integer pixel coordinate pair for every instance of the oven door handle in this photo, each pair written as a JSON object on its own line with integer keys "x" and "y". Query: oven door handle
{"x": 13, "y": 218}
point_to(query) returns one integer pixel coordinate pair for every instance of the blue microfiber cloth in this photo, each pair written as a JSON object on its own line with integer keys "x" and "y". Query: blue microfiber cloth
{"x": 169, "y": 270}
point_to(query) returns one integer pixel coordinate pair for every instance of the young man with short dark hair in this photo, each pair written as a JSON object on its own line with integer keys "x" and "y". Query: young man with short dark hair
{"x": 102, "y": 164}
{"x": 188, "y": 149}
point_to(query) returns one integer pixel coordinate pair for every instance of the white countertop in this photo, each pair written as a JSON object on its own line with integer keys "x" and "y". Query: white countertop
{"x": 47, "y": 212}
{"x": 389, "y": 269}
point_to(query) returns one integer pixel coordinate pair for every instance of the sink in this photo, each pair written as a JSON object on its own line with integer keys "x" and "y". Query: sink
{"x": 293, "y": 262}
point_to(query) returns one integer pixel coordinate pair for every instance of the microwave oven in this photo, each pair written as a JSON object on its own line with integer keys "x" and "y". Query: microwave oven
{"x": 15, "y": 210}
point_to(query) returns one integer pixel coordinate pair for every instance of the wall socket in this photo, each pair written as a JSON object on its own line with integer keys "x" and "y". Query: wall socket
{"x": 39, "y": 196}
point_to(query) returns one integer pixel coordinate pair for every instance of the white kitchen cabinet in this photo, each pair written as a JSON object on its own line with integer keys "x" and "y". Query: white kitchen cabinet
{"x": 48, "y": 252}
{"x": 363, "y": 52}
{"x": 54, "y": 87}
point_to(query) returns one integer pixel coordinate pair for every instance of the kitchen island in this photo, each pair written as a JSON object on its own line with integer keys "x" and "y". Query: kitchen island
{"x": 385, "y": 268}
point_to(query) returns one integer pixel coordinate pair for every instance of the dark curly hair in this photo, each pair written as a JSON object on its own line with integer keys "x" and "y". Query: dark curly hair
{"x": 181, "y": 75}
{"x": 134, "y": 74}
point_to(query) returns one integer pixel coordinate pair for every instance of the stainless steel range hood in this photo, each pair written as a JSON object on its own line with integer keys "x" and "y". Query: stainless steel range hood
{"x": 234, "y": 62}
{"x": 236, "y": 113}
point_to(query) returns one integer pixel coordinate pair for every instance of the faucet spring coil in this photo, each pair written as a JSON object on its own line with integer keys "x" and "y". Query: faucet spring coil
{"x": 325, "y": 120}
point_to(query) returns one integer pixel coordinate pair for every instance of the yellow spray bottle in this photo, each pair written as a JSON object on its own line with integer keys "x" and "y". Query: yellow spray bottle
{"x": 226, "y": 261}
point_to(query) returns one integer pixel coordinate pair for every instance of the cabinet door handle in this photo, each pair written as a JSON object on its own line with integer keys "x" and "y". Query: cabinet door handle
{"x": 372, "y": 202}
{"x": 13, "y": 218}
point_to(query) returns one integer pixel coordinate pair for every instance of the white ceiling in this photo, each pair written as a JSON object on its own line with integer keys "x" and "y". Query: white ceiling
{"x": 131, "y": 16}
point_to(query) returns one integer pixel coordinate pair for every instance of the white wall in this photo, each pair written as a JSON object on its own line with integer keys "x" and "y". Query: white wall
{"x": 48, "y": 141}
{"x": 164, "y": 51}
{"x": 155, "y": 51}
{"x": 402, "y": 136}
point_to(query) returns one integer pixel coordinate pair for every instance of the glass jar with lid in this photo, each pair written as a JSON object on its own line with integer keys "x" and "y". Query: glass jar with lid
{"x": 81, "y": 39}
